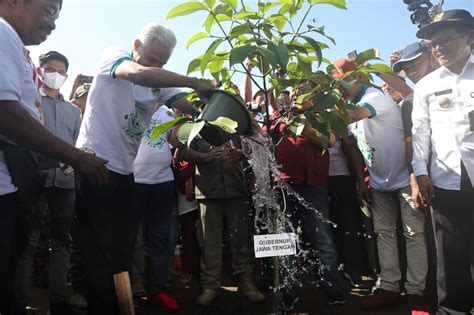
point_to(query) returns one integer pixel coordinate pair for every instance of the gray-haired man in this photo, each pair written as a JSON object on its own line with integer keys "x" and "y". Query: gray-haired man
{"x": 121, "y": 101}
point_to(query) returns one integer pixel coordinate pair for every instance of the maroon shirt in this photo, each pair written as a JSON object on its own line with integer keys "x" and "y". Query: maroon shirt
{"x": 300, "y": 159}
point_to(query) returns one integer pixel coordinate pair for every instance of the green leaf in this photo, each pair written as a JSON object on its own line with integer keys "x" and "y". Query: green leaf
{"x": 367, "y": 55}
{"x": 208, "y": 55}
{"x": 239, "y": 54}
{"x": 297, "y": 126}
{"x": 320, "y": 30}
{"x": 303, "y": 98}
{"x": 298, "y": 48}
{"x": 196, "y": 37}
{"x": 336, "y": 123}
{"x": 281, "y": 51}
{"x": 194, "y": 65}
{"x": 226, "y": 124}
{"x": 223, "y": 17}
{"x": 209, "y": 22}
{"x": 247, "y": 15}
{"x": 286, "y": 8}
{"x": 321, "y": 126}
{"x": 225, "y": 74}
{"x": 231, "y": 3}
{"x": 162, "y": 128}
{"x": 331, "y": 68}
{"x": 328, "y": 101}
{"x": 305, "y": 67}
{"x": 268, "y": 56}
{"x": 188, "y": 131}
{"x": 210, "y": 3}
{"x": 216, "y": 66}
{"x": 292, "y": 66}
{"x": 341, "y": 4}
{"x": 268, "y": 34}
{"x": 185, "y": 9}
{"x": 241, "y": 29}
{"x": 265, "y": 7}
{"x": 380, "y": 67}
{"x": 317, "y": 49}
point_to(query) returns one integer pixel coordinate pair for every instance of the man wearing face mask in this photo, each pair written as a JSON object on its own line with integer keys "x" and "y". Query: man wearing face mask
{"x": 64, "y": 121}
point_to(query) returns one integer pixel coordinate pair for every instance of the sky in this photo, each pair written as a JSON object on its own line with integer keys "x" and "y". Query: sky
{"x": 86, "y": 28}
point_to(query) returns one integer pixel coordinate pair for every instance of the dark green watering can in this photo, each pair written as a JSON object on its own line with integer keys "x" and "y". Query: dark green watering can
{"x": 224, "y": 104}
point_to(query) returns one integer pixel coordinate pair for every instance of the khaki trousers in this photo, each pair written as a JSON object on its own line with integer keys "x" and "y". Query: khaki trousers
{"x": 385, "y": 207}
{"x": 214, "y": 214}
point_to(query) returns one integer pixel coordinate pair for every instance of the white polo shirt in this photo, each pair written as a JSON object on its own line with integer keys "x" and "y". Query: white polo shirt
{"x": 441, "y": 130}
{"x": 380, "y": 138}
{"x": 153, "y": 162}
{"x": 18, "y": 82}
{"x": 117, "y": 113}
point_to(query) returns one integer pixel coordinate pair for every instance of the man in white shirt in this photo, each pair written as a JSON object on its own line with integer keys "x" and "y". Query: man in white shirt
{"x": 378, "y": 128}
{"x": 23, "y": 23}
{"x": 443, "y": 144}
{"x": 63, "y": 120}
{"x": 123, "y": 96}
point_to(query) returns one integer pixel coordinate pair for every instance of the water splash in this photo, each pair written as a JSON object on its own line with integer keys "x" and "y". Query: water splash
{"x": 269, "y": 196}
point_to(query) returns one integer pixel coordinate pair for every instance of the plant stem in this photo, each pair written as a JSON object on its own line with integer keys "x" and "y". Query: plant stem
{"x": 232, "y": 46}
{"x": 301, "y": 24}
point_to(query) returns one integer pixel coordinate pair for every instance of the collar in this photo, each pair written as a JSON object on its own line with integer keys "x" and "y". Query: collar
{"x": 470, "y": 61}
{"x": 11, "y": 28}
{"x": 43, "y": 93}
{"x": 26, "y": 51}
{"x": 361, "y": 94}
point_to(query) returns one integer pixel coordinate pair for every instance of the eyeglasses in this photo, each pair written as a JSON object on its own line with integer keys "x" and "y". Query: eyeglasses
{"x": 445, "y": 40}
{"x": 50, "y": 12}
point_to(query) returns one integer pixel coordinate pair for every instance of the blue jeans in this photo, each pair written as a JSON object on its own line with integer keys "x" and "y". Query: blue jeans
{"x": 156, "y": 202}
{"x": 317, "y": 233}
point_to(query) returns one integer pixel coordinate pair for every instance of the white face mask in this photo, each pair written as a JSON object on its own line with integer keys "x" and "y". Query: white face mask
{"x": 53, "y": 80}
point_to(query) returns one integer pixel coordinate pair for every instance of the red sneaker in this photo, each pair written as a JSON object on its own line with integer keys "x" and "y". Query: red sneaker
{"x": 380, "y": 299}
{"x": 165, "y": 301}
{"x": 418, "y": 305}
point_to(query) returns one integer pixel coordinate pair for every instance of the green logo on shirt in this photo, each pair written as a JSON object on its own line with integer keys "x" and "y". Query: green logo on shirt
{"x": 134, "y": 126}
{"x": 160, "y": 141}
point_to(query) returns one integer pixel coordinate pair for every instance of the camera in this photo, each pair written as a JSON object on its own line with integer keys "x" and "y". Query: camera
{"x": 423, "y": 11}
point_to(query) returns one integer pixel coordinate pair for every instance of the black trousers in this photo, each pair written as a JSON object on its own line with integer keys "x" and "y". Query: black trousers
{"x": 8, "y": 219}
{"x": 107, "y": 230}
{"x": 346, "y": 213}
{"x": 453, "y": 223}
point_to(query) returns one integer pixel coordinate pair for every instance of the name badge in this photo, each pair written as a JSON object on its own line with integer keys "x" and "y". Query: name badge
{"x": 444, "y": 92}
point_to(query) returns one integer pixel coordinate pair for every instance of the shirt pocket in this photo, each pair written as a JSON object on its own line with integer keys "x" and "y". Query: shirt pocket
{"x": 443, "y": 107}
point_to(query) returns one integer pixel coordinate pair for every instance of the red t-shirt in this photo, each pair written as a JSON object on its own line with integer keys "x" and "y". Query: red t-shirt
{"x": 300, "y": 159}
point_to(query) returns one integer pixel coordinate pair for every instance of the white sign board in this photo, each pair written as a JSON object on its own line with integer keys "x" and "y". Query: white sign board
{"x": 274, "y": 245}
